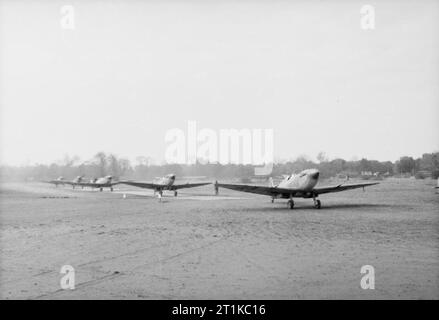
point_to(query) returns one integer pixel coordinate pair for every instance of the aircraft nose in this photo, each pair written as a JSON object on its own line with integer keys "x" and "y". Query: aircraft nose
{"x": 315, "y": 175}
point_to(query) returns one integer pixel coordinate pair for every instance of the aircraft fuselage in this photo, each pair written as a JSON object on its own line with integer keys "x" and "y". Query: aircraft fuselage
{"x": 305, "y": 180}
{"x": 166, "y": 182}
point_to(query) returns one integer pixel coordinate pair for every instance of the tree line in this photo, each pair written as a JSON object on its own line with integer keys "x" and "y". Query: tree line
{"x": 103, "y": 164}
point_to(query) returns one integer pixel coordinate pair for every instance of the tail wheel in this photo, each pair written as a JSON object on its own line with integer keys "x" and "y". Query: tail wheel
{"x": 291, "y": 204}
{"x": 317, "y": 204}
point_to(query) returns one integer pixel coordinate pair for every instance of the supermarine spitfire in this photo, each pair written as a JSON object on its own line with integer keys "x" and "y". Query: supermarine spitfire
{"x": 302, "y": 185}
{"x": 163, "y": 183}
{"x": 62, "y": 181}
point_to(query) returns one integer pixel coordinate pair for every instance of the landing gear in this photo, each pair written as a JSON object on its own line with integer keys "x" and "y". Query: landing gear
{"x": 111, "y": 189}
{"x": 272, "y": 199}
{"x": 290, "y": 204}
{"x": 175, "y": 193}
{"x": 101, "y": 189}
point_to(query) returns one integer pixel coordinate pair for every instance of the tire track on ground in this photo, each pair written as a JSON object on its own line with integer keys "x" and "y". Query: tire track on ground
{"x": 132, "y": 271}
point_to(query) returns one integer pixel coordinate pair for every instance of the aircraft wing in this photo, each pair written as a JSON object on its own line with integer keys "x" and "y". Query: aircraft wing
{"x": 189, "y": 185}
{"x": 268, "y": 191}
{"x": 86, "y": 184}
{"x": 145, "y": 185}
{"x": 150, "y": 185}
{"x": 273, "y": 191}
{"x": 342, "y": 187}
{"x": 96, "y": 185}
{"x": 60, "y": 182}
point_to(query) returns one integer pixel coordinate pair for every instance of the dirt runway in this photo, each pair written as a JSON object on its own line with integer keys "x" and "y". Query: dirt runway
{"x": 235, "y": 246}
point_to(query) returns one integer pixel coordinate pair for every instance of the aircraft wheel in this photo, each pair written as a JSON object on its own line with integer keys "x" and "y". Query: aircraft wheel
{"x": 175, "y": 193}
{"x": 317, "y": 204}
{"x": 111, "y": 189}
{"x": 100, "y": 189}
{"x": 291, "y": 204}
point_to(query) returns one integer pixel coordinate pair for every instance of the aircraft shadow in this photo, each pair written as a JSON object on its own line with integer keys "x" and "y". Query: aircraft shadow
{"x": 324, "y": 207}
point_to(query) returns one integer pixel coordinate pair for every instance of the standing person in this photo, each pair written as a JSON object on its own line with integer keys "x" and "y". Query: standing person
{"x": 216, "y": 187}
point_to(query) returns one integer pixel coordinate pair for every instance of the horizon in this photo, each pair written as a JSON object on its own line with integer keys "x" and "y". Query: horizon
{"x": 152, "y": 162}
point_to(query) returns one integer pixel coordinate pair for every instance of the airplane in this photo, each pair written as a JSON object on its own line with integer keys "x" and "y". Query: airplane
{"x": 60, "y": 180}
{"x": 57, "y": 181}
{"x": 302, "y": 185}
{"x": 101, "y": 183}
{"x": 164, "y": 183}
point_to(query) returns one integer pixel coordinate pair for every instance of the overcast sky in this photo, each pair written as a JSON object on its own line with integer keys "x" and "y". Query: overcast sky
{"x": 130, "y": 71}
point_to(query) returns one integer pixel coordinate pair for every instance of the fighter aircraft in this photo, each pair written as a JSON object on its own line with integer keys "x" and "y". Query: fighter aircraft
{"x": 302, "y": 185}
{"x": 101, "y": 183}
{"x": 60, "y": 180}
{"x": 164, "y": 183}
{"x": 57, "y": 181}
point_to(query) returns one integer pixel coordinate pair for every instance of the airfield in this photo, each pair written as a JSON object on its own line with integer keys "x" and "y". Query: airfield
{"x": 231, "y": 246}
